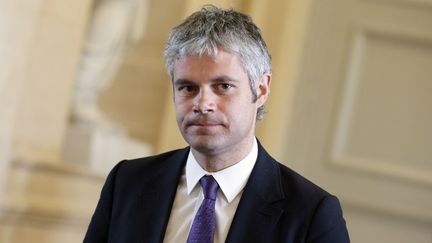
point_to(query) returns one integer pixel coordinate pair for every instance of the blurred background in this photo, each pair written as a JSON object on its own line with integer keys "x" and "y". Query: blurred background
{"x": 83, "y": 85}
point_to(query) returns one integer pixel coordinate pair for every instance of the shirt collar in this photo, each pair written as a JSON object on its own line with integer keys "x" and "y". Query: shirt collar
{"x": 231, "y": 180}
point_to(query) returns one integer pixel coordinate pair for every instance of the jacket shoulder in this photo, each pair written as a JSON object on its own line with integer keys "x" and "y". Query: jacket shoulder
{"x": 132, "y": 173}
{"x": 295, "y": 184}
{"x": 153, "y": 163}
{"x": 317, "y": 210}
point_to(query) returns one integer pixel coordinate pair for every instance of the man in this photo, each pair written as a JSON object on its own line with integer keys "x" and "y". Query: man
{"x": 224, "y": 187}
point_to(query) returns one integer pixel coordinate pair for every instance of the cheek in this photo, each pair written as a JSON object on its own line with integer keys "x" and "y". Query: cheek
{"x": 180, "y": 110}
{"x": 183, "y": 108}
{"x": 240, "y": 110}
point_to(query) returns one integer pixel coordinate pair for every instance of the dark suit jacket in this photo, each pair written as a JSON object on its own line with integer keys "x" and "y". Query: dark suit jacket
{"x": 277, "y": 204}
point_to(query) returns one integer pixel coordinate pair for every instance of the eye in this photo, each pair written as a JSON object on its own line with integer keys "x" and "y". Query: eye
{"x": 187, "y": 89}
{"x": 223, "y": 87}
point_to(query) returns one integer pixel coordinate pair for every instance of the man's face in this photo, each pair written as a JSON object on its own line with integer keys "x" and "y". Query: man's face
{"x": 214, "y": 103}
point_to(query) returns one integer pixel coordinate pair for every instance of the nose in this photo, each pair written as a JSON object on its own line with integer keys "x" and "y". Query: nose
{"x": 204, "y": 102}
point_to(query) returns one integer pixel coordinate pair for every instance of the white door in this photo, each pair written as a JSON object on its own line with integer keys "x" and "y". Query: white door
{"x": 362, "y": 124}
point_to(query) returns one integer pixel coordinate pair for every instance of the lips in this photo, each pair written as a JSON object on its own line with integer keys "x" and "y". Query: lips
{"x": 203, "y": 122}
{"x": 203, "y": 125}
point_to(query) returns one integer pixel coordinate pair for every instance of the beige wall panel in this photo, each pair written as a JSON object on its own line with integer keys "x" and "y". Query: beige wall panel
{"x": 50, "y": 72}
{"x": 16, "y": 31}
{"x": 284, "y": 28}
{"x": 384, "y": 228}
{"x": 194, "y": 5}
{"x": 135, "y": 98}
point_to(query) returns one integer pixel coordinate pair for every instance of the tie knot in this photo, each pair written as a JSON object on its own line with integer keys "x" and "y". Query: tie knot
{"x": 210, "y": 187}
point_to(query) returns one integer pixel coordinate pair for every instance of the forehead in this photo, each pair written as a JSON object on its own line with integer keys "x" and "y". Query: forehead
{"x": 220, "y": 63}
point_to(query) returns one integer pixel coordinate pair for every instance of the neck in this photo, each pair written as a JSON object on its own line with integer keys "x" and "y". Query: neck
{"x": 213, "y": 162}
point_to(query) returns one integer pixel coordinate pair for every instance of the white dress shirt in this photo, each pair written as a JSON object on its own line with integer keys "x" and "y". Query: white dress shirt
{"x": 189, "y": 196}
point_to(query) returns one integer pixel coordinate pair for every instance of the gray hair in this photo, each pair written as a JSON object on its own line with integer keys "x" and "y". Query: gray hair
{"x": 212, "y": 28}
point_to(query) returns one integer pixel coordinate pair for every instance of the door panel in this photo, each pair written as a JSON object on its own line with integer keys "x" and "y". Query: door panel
{"x": 362, "y": 124}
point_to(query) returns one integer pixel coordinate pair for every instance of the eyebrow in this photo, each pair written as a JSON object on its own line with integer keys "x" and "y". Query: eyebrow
{"x": 218, "y": 79}
{"x": 224, "y": 79}
{"x": 182, "y": 81}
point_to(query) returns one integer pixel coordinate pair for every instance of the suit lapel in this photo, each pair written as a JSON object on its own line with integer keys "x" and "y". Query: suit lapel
{"x": 158, "y": 196}
{"x": 257, "y": 213}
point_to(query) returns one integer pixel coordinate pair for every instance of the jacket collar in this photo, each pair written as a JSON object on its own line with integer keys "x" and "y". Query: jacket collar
{"x": 257, "y": 213}
{"x": 158, "y": 195}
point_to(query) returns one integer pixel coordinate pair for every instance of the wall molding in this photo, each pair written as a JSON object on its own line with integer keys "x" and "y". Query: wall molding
{"x": 53, "y": 196}
{"x": 337, "y": 156}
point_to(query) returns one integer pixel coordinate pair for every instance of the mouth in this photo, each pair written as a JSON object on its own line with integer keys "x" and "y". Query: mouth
{"x": 200, "y": 124}
{"x": 203, "y": 124}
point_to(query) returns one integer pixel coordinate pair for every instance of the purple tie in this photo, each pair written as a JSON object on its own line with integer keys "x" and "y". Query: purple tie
{"x": 204, "y": 224}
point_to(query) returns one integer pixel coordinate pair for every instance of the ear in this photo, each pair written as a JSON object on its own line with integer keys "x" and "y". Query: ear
{"x": 263, "y": 89}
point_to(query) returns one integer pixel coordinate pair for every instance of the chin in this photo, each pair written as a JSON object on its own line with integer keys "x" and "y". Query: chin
{"x": 204, "y": 146}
